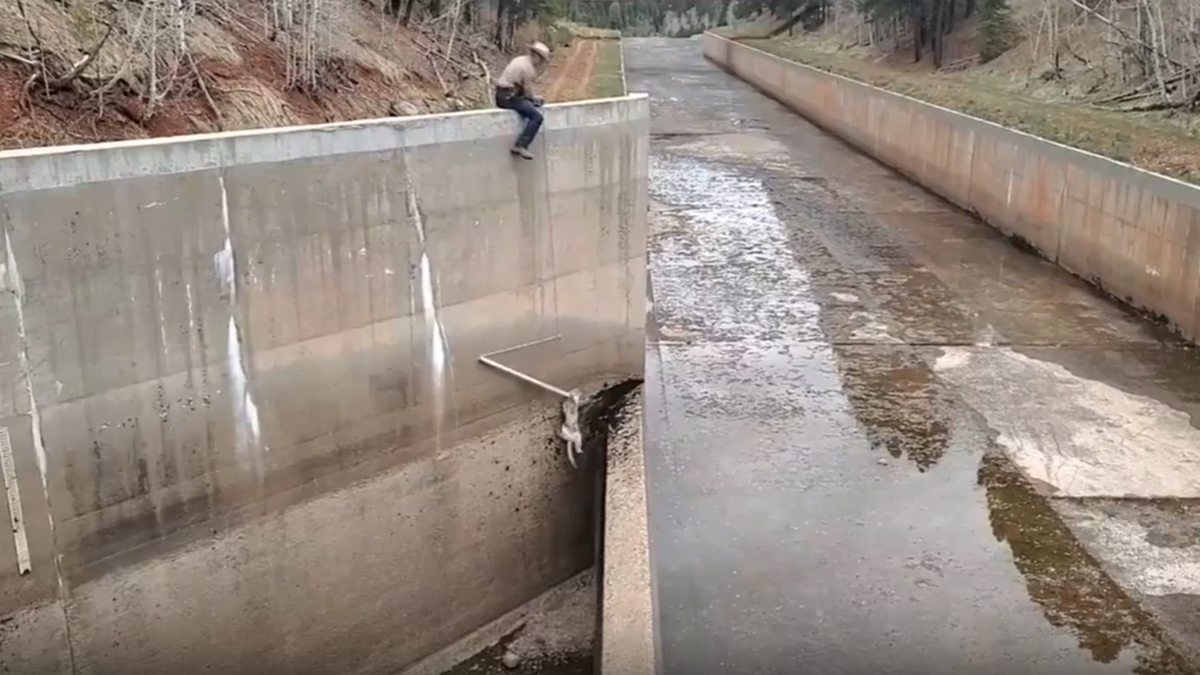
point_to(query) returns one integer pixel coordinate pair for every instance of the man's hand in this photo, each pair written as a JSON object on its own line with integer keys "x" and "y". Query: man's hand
{"x": 538, "y": 102}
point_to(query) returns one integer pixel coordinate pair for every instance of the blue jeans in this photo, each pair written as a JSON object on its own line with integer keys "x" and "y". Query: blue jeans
{"x": 512, "y": 100}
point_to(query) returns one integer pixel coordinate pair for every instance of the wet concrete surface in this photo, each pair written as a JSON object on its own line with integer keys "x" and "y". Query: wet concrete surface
{"x": 882, "y": 439}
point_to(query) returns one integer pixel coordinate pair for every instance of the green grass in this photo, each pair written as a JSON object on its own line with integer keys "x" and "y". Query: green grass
{"x": 606, "y": 74}
{"x": 1145, "y": 140}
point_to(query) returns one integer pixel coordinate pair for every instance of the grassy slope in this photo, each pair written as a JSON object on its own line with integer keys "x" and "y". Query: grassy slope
{"x": 1145, "y": 140}
{"x": 606, "y": 76}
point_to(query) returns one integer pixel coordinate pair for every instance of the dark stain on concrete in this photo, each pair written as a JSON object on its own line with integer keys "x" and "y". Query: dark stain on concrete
{"x": 1024, "y": 245}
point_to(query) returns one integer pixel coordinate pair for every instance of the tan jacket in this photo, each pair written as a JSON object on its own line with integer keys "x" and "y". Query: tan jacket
{"x": 519, "y": 73}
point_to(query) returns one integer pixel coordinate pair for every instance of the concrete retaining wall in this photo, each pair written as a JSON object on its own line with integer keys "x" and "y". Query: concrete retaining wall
{"x": 238, "y": 373}
{"x": 1134, "y": 233}
{"x": 627, "y": 631}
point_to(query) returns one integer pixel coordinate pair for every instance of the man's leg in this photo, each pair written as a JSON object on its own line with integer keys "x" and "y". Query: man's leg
{"x": 533, "y": 122}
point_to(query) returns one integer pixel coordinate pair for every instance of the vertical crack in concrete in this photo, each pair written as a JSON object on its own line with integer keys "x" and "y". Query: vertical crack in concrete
{"x": 247, "y": 430}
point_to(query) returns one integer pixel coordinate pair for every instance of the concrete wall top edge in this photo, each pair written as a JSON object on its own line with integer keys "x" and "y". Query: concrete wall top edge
{"x": 1171, "y": 188}
{"x": 63, "y": 166}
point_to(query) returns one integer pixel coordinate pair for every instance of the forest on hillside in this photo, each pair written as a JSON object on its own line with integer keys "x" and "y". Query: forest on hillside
{"x": 68, "y": 68}
{"x": 1139, "y": 55}
{"x": 668, "y": 18}
{"x": 88, "y": 70}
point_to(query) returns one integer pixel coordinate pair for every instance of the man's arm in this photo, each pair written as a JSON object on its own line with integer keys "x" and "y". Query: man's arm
{"x": 527, "y": 87}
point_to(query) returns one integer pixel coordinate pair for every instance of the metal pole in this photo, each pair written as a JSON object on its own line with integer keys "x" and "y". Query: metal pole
{"x": 522, "y": 376}
{"x": 569, "y": 431}
{"x": 488, "y": 361}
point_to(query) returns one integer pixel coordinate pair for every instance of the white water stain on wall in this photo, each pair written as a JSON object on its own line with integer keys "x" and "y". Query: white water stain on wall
{"x": 247, "y": 429}
{"x": 16, "y": 285}
{"x": 1082, "y": 437}
{"x": 435, "y": 333}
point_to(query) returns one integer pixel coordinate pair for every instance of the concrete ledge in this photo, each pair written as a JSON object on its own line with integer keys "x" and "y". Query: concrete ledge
{"x": 1133, "y": 233}
{"x": 627, "y": 644}
{"x": 66, "y": 166}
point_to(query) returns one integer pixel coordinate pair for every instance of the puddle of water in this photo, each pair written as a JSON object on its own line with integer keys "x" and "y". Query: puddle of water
{"x": 728, "y": 273}
{"x": 723, "y": 271}
{"x": 902, "y": 406}
{"x": 1066, "y": 582}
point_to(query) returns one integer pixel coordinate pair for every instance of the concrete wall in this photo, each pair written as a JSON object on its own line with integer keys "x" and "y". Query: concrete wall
{"x": 244, "y": 441}
{"x": 1134, "y": 233}
{"x": 627, "y": 631}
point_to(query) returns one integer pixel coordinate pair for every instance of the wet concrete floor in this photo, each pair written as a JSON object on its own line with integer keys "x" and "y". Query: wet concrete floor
{"x": 882, "y": 439}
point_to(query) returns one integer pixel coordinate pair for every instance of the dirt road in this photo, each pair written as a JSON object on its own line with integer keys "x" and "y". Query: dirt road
{"x": 570, "y": 75}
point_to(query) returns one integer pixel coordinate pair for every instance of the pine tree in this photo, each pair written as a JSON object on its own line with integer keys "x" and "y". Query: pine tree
{"x": 995, "y": 29}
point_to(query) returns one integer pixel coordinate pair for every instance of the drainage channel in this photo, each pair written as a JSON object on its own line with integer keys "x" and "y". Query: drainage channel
{"x": 585, "y": 623}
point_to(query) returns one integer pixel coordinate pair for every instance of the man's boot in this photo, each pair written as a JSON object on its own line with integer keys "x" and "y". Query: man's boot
{"x": 521, "y": 152}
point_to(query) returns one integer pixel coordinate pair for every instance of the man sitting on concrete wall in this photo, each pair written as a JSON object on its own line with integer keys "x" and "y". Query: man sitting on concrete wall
{"x": 514, "y": 91}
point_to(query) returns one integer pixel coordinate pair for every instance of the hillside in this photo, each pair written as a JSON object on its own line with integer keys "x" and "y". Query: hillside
{"x": 1080, "y": 74}
{"x": 94, "y": 70}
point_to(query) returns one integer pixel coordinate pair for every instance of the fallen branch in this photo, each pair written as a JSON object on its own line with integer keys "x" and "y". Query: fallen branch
{"x": 23, "y": 98}
{"x": 487, "y": 74}
{"x": 1148, "y": 88}
{"x": 227, "y": 92}
{"x": 37, "y": 41}
{"x": 432, "y": 52}
{"x": 438, "y": 74}
{"x": 120, "y": 75}
{"x": 1148, "y": 107}
{"x": 1124, "y": 33}
{"x": 1072, "y": 53}
{"x": 82, "y": 64}
{"x": 1190, "y": 104}
{"x": 204, "y": 90}
{"x": 19, "y": 59}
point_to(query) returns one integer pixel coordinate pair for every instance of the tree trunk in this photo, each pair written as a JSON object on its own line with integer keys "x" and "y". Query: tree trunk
{"x": 498, "y": 38}
{"x": 939, "y": 32}
{"x": 916, "y": 38}
{"x": 792, "y": 21}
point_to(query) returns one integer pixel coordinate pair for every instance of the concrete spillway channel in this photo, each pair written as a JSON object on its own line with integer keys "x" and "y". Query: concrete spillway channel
{"x": 880, "y": 438}
{"x": 244, "y": 420}
{"x": 364, "y": 398}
